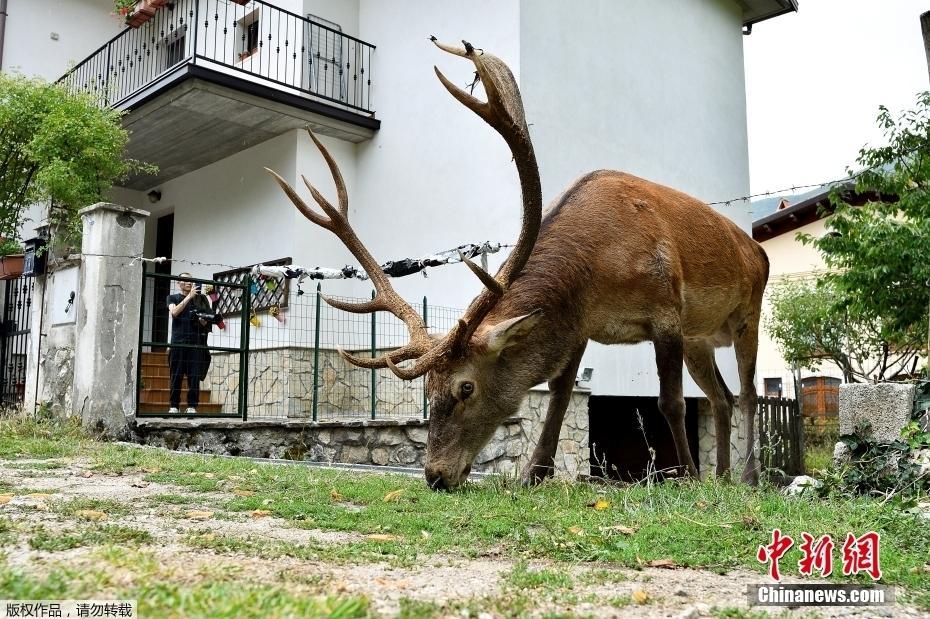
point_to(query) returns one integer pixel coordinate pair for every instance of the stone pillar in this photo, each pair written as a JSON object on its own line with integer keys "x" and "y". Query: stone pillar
{"x": 107, "y": 343}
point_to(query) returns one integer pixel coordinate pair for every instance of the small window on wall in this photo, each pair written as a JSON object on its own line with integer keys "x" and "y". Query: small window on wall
{"x": 247, "y": 35}
{"x": 773, "y": 387}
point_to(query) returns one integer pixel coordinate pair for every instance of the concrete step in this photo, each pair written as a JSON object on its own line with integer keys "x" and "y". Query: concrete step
{"x": 161, "y": 408}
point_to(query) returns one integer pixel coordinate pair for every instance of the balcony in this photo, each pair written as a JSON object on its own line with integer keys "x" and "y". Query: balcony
{"x": 204, "y": 79}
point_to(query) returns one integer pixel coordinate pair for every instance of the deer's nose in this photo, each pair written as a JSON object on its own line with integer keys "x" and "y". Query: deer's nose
{"x": 435, "y": 480}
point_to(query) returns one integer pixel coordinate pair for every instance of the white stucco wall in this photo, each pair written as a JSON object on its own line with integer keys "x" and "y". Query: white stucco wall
{"x": 29, "y": 48}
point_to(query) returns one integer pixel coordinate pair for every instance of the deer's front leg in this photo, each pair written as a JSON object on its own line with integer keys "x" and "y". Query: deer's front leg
{"x": 542, "y": 463}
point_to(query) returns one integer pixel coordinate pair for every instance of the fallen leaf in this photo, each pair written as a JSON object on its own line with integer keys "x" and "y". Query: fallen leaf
{"x": 260, "y": 513}
{"x": 600, "y": 504}
{"x": 39, "y": 495}
{"x": 199, "y": 515}
{"x": 639, "y": 596}
{"x": 209, "y": 475}
{"x": 87, "y": 474}
{"x": 253, "y": 471}
{"x": 576, "y": 530}
{"x": 334, "y": 495}
{"x": 664, "y": 563}
{"x": 241, "y": 492}
{"x": 382, "y": 537}
{"x": 393, "y": 495}
{"x": 90, "y": 514}
{"x": 424, "y": 534}
{"x": 267, "y": 502}
{"x": 5, "y": 498}
{"x": 619, "y": 528}
{"x": 701, "y": 505}
{"x": 153, "y": 469}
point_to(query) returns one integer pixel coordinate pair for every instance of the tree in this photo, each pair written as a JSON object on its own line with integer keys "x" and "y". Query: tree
{"x": 59, "y": 148}
{"x": 879, "y": 253}
{"x": 811, "y": 324}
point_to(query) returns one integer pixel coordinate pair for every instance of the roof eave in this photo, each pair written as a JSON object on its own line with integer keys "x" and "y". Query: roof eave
{"x": 767, "y": 10}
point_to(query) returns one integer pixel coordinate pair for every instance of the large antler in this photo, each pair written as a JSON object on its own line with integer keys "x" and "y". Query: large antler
{"x": 503, "y": 111}
{"x": 386, "y": 299}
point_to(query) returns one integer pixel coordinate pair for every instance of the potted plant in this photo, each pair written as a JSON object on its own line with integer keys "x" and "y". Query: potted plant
{"x": 136, "y": 12}
{"x": 11, "y": 258}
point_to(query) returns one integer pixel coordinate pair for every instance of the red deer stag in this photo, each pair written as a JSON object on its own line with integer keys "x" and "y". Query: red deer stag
{"x": 617, "y": 260}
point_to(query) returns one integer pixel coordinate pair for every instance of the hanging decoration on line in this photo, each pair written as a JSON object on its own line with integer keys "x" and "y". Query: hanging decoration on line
{"x": 276, "y": 313}
{"x": 254, "y": 319}
{"x": 392, "y": 268}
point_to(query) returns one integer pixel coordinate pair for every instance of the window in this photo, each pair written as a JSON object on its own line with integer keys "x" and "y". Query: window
{"x": 248, "y": 32}
{"x": 773, "y": 387}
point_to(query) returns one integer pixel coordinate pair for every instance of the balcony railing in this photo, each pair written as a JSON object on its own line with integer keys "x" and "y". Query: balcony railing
{"x": 257, "y": 42}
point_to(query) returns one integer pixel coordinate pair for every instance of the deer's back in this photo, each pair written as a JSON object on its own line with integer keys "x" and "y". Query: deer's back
{"x": 641, "y": 253}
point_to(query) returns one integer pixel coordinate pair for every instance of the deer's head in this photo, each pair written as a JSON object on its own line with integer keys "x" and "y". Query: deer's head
{"x": 473, "y": 380}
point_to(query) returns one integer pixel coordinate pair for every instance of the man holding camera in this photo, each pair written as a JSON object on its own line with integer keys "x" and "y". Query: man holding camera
{"x": 187, "y": 328}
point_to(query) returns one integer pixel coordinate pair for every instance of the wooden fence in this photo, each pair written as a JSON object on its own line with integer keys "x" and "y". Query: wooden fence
{"x": 781, "y": 437}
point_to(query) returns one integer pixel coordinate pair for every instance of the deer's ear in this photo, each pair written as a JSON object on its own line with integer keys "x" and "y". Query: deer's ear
{"x": 511, "y": 331}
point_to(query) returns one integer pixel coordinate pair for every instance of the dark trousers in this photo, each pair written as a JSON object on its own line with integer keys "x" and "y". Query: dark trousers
{"x": 184, "y": 362}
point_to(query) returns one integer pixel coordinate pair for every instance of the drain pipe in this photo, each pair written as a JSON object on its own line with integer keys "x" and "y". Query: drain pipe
{"x": 2, "y": 29}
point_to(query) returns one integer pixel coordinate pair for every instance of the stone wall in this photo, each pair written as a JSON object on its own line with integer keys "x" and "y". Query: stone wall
{"x": 707, "y": 440}
{"x": 396, "y": 442}
{"x": 281, "y": 386}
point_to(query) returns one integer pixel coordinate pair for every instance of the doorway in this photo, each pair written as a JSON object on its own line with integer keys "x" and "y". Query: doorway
{"x": 164, "y": 241}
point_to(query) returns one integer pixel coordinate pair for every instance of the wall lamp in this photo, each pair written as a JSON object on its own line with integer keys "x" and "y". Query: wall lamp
{"x": 154, "y": 196}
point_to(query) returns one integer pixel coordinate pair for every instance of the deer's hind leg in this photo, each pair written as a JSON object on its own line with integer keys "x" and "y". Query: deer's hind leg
{"x": 699, "y": 358}
{"x": 746, "y": 344}
{"x": 669, "y": 347}
{"x": 542, "y": 463}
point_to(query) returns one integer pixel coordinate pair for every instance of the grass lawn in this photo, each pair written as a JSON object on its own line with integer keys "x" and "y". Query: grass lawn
{"x": 712, "y": 525}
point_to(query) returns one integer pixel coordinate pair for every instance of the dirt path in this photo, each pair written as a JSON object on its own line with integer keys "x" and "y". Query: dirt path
{"x": 445, "y": 584}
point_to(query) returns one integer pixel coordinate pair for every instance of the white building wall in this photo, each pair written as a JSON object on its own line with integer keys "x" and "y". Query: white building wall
{"x": 80, "y": 25}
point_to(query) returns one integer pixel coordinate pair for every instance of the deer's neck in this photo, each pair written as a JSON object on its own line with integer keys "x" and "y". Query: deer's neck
{"x": 559, "y": 292}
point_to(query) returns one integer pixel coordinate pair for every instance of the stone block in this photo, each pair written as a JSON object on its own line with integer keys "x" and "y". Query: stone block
{"x": 407, "y": 454}
{"x": 354, "y": 454}
{"x": 887, "y": 406}
{"x": 491, "y": 451}
{"x": 417, "y": 435}
{"x": 380, "y": 455}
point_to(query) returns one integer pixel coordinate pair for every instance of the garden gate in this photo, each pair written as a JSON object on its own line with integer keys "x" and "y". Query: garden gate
{"x": 780, "y": 435}
{"x": 14, "y": 339}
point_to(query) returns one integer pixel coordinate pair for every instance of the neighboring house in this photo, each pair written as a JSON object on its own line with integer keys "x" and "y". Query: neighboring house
{"x": 793, "y": 261}
{"x": 215, "y": 91}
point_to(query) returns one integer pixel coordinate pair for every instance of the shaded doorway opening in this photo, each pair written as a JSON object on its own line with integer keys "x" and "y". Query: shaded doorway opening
{"x": 164, "y": 241}
{"x": 620, "y": 447}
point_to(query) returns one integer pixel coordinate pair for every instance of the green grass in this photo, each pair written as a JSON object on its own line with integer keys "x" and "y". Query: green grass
{"x": 158, "y": 597}
{"x": 56, "y": 541}
{"x": 714, "y": 525}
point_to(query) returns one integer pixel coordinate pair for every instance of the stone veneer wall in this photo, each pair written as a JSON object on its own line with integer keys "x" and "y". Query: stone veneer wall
{"x": 707, "y": 441}
{"x": 379, "y": 442}
{"x": 281, "y": 386}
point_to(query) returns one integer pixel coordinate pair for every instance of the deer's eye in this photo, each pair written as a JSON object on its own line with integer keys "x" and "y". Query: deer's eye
{"x": 466, "y": 389}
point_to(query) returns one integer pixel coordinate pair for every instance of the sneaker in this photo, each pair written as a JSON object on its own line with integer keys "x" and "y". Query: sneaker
{"x": 191, "y": 410}
{"x": 173, "y": 410}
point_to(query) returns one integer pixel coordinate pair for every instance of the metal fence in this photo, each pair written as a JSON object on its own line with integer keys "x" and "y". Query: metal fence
{"x": 257, "y": 41}
{"x": 14, "y": 339}
{"x": 289, "y": 347}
